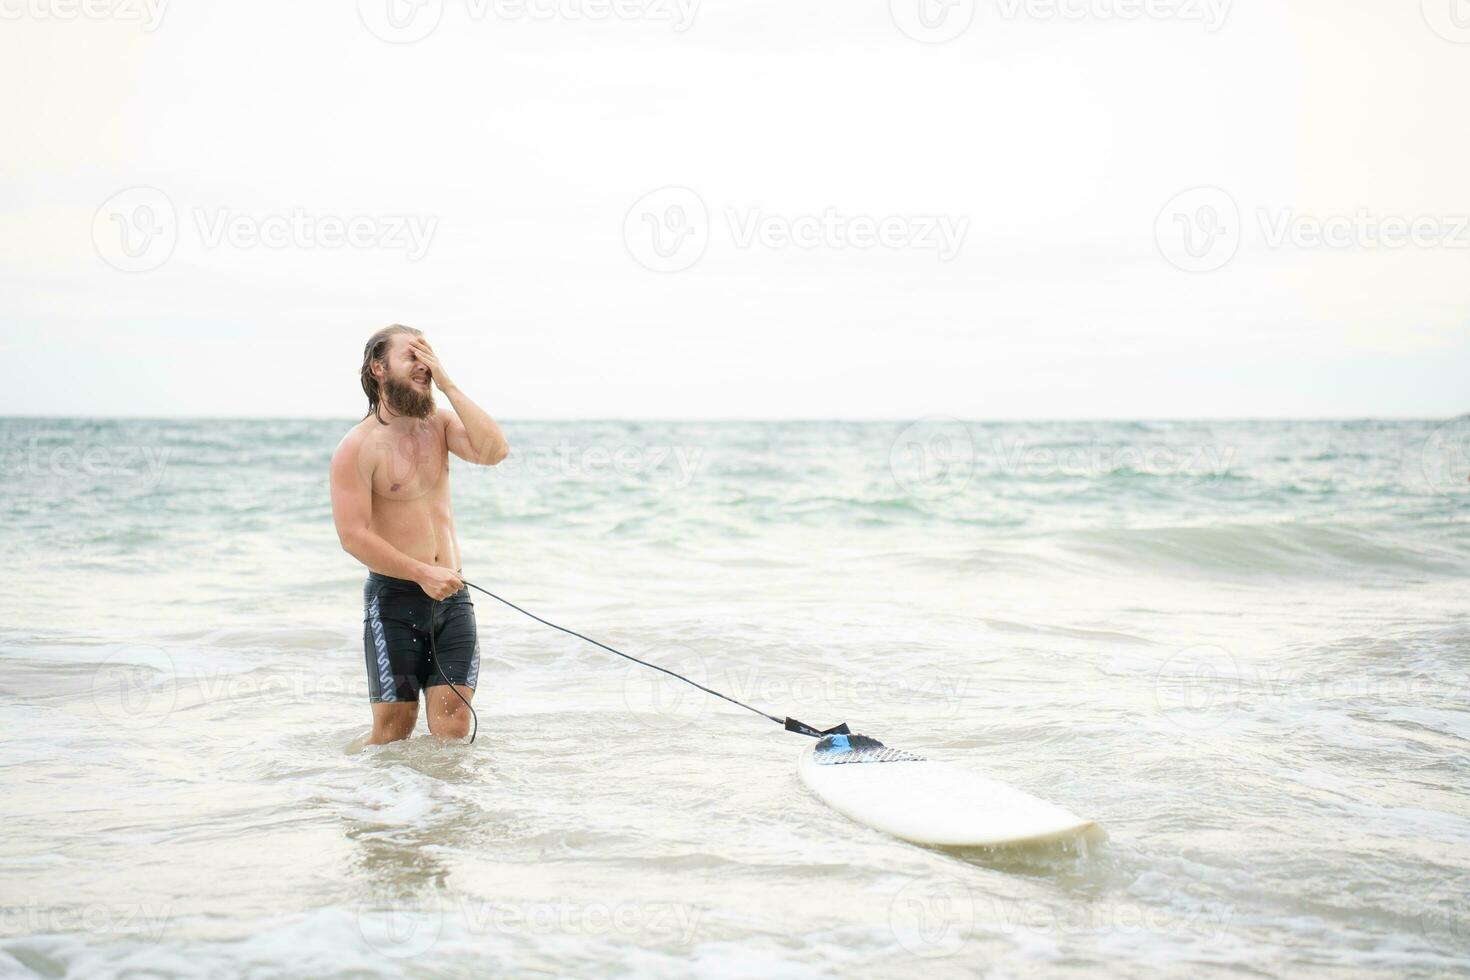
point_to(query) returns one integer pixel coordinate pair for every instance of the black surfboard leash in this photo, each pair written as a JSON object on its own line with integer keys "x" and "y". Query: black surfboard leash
{"x": 790, "y": 724}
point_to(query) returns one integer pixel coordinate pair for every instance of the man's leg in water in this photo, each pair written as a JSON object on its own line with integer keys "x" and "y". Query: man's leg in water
{"x": 449, "y": 717}
{"x": 456, "y": 648}
{"x": 395, "y": 654}
{"x": 393, "y": 720}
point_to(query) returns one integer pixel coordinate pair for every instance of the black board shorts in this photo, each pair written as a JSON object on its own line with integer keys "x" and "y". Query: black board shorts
{"x": 395, "y": 636}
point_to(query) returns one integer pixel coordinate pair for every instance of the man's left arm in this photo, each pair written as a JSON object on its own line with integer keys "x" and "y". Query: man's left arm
{"x": 470, "y": 432}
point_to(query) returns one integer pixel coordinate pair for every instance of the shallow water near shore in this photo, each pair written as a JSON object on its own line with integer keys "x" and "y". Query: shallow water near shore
{"x": 1241, "y": 648}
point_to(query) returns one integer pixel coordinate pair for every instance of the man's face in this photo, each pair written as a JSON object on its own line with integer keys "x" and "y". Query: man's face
{"x": 406, "y": 381}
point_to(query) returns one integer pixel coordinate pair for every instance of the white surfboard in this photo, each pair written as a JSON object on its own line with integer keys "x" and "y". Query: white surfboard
{"x": 935, "y": 803}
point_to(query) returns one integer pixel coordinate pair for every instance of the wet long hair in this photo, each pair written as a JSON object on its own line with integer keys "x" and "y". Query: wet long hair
{"x": 376, "y": 352}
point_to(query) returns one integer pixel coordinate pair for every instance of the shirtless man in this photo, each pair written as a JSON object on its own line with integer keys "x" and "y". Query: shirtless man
{"x": 390, "y": 502}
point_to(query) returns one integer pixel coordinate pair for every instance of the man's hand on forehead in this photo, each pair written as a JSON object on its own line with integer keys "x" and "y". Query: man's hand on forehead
{"x": 423, "y": 352}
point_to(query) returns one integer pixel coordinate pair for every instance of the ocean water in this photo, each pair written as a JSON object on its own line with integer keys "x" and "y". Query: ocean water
{"x": 1242, "y": 648}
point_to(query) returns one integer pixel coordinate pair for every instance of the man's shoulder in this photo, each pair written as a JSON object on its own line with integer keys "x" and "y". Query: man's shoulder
{"x": 354, "y": 439}
{"x": 443, "y": 421}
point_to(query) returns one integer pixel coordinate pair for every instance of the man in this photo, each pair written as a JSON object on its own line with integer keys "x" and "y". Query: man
{"x": 390, "y": 502}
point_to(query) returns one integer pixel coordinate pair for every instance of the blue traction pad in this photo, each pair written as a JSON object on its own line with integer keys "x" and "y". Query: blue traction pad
{"x": 835, "y": 750}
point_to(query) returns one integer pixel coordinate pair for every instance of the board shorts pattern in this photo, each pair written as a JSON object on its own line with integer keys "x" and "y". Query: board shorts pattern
{"x": 395, "y": 637}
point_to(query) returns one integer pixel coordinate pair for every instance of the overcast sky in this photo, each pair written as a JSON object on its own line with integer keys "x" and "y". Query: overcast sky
{"x": 740, "y": 208}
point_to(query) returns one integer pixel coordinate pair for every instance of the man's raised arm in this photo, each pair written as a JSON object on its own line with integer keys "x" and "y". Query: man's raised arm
{"x": 470, "y": 433}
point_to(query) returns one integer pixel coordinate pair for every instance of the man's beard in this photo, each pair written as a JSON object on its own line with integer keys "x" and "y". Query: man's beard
{"x": 405, "y": 399}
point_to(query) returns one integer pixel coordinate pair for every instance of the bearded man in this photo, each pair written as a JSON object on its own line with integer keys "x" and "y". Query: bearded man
{"x": 391, "y": 505}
